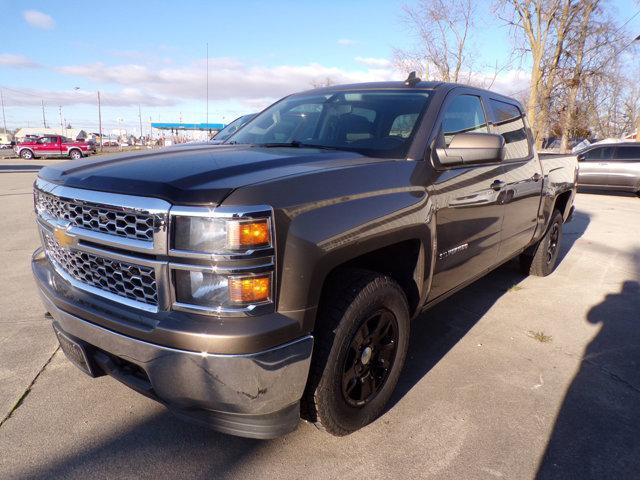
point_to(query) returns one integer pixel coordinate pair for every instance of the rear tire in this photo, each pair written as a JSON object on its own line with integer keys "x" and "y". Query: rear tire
{"x": 26, "y": 154}
{"x": 360, "y": 348}
{"x": 543, "y": 258}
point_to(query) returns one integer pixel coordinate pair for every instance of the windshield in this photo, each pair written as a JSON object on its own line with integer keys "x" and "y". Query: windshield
{"x": 374, "y": 123}
{"x": 232, "y": 128}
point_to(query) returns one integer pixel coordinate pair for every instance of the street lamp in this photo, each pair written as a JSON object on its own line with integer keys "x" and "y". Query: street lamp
{"x": 99, "y": 118}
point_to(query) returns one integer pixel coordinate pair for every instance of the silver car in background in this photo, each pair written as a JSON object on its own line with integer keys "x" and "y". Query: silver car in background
{"x": 614, "y": 166}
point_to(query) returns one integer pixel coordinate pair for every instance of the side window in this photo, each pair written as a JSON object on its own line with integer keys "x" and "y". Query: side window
{"x": 627, "y": 153}
{"x": 463, "y": 115}
{"x": 510, "y": 124}
{"x": 598, "y": 154}
{"x": 403, "y": 125}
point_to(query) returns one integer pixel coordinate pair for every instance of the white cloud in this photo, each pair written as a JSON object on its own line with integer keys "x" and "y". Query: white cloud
{"x": 345, "y": 42}
{"x": 229, "y": 79}
{"x": 38, "y": 19}
{"x": 16, "y": 61}
{"x": 373, "y": 61}
{"x": 24, "y": 97}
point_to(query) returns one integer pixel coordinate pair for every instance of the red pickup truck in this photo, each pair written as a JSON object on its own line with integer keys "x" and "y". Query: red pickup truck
{"x": 52, "y": 146}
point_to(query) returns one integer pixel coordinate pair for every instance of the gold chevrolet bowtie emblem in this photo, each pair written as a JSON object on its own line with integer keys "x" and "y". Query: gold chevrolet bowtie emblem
{"x": 63, "y": 238}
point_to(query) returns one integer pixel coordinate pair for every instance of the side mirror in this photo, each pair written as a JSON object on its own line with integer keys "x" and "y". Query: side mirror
{"x": 581, "y": 157}
{"x": 470, "y": 148}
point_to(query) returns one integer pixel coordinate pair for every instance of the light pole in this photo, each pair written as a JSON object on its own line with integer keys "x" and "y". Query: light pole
{"x": 99, "y": 117}
{"x": 4, "y": 119}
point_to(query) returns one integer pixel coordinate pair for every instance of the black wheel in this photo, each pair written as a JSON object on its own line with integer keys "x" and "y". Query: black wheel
{"x": 75, "y": 154}
{"x": 541, "y": 260}
{"x": 361, "y": 345}
{"x": 26, "y": 154}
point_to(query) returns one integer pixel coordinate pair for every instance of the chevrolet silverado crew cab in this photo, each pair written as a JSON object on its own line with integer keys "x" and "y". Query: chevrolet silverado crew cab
{"x": 52, "y": 146}
{"x": 274, "y": 277}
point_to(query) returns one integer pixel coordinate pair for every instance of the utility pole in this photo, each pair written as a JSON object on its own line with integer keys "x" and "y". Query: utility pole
{"x": 100, "y": 122}
{"x": 44, "y": 120}
{"x": 4, "y": 119}
{"x": 207, "y": 84}
{"x": 140, "y": 119}
{"x": 61, "y": 125}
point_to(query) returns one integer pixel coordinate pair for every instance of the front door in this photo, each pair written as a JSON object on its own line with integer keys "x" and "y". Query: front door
{"x": 593, "y": 167}
{"x": 469, "y": 210}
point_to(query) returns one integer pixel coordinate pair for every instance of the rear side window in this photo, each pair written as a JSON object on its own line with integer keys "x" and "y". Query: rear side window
{"x": 463, "y": 115}
{"x": 598, "y": 154}
{"x": 627, "y": 153}
{"x": 510, "y": 124}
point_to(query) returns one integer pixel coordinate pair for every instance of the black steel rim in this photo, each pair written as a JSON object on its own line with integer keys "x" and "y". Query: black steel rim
{"x": 554, "y": 236}
{"x": 370, "y": 358}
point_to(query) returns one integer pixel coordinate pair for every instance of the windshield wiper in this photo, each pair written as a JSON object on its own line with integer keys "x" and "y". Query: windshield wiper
{"x": 295, "y": 144}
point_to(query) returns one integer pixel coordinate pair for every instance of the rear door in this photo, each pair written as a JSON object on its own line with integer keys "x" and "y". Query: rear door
{"x": 522, "y": 176}
{"x": 624, "y": 168}
{"x": 594, "y": 166}
{"x": 469, "y": 211}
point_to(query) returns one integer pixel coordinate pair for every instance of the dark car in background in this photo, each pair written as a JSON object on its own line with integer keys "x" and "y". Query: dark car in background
{"x": 221, "y": 136}
{"x": 613, "y": 166}
{"x": 232, "y": 128}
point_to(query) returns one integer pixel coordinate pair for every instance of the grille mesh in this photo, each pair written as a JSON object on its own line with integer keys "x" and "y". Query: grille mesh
{"x": 135, "y": 282}
{"x": 97, "y": 217}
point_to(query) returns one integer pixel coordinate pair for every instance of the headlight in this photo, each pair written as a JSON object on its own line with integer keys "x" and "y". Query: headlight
{"x": 210, "y": 290}
{"x": 218, "y": 234}
{"x": 227, "y": 259}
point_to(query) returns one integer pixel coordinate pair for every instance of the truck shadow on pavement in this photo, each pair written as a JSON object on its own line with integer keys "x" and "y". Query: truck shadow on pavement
{"x": 161, "y": 446}
{"x": 438, "y": 330}
{"x": 596, "y": 431}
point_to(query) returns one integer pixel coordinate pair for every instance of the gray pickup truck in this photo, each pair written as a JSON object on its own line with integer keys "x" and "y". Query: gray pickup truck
{"x": 275, "y": 276}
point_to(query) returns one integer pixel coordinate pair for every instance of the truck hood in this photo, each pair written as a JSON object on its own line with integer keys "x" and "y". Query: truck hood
{"x": 204, "y": 175}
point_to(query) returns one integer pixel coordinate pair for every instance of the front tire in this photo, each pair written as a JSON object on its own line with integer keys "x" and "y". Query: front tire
{"x": 26, "y": 154}
{"x": 543, "y": 259}
{"x": 75, "y": 154}
{"x": 361, "y": 345}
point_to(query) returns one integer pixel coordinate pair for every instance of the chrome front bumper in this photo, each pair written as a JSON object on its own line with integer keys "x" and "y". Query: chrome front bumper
{"x": 255, "y": 395}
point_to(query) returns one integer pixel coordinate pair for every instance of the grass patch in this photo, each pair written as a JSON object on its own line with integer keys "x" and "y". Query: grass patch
{"x": 540, "y": 336}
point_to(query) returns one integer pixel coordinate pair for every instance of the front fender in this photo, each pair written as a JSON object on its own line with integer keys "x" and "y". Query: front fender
{"x": 325, "y": 238}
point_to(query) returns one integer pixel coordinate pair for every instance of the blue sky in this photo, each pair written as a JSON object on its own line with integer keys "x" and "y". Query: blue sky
{"x": 152, "y": 54}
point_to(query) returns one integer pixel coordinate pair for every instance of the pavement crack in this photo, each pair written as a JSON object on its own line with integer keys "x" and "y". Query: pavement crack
{"x": 612, "y": 375}
{"x": 26, "y": 392}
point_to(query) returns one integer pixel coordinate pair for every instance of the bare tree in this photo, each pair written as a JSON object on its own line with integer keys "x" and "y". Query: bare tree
{"x": 542, "y": 26}
{"x": 443, "y": 31}
{"x": 327, "y": 82}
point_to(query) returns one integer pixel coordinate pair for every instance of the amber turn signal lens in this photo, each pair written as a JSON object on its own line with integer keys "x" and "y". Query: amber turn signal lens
{"x": 249, "y": 289}
{"x": 248, "y": 234}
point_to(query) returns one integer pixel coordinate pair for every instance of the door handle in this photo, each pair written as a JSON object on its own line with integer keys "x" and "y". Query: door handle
{"x": 497, "y": 185}
{"x": 536, "y": 177}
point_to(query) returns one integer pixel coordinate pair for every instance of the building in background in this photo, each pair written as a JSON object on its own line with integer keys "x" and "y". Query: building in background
{"x": 72, "y": 133}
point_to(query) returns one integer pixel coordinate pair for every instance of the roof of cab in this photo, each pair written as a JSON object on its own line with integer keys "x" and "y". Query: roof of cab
{"x": 402, "y": 85}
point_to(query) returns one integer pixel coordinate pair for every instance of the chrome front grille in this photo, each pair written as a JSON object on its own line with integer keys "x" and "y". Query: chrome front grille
{"x": 98, "y": 218}
{"x": 135, "y": 282}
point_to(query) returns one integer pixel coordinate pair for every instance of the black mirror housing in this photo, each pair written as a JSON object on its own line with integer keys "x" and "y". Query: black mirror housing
{"x": 471, "y": 148}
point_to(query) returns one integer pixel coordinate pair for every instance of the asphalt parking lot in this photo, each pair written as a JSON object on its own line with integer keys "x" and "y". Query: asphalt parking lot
{"x": 513, "y": 377}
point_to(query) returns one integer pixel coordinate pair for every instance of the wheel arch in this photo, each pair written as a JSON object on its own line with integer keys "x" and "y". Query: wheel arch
{"x": 72, "y": 149}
